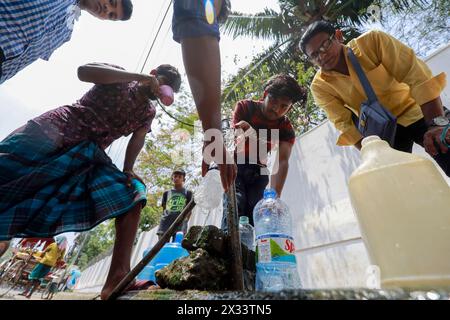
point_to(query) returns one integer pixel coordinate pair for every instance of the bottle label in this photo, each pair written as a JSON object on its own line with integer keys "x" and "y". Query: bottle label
{"x": 275, "y": 247}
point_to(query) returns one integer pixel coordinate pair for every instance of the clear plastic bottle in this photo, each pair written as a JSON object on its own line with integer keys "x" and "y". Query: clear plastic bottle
{"x": 276, "y": 267}
{"x": 209, "y": 193}
{"x": 246, "y": 231}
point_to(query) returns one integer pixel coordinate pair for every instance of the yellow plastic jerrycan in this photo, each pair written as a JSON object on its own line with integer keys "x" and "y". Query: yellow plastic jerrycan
{"x": 402, "y": 203}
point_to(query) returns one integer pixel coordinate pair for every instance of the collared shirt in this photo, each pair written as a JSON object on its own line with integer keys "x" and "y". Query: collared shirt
{"x": 33, "y": 29}
{"x": 52, "y": 255}
{"x": 401, "y": 81}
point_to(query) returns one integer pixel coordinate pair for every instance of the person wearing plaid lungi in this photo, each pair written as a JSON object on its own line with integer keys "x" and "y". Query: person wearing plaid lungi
{"x": 55, "y": 176}
{"x": 34, "y": 29}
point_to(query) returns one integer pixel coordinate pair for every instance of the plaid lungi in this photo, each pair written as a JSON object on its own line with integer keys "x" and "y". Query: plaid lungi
{"x": 46, "y": 190}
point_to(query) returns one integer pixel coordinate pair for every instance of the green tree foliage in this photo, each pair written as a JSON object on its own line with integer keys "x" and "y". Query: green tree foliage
{"x": 423, "y": 26}
{"x": 173, "y": 146}
{"x": 100, "y": 240}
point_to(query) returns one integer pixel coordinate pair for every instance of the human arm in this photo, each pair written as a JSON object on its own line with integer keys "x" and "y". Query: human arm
{"x": 278, "y": 179}
{"x": 411, "y": 70}
{"x": 201, "y": 56}
{"x": 134, "y": 147}
{"x": 337, "y": 113}
{"x": 164, "y": 200}
{"x": 188, "y": 199}
{"x": 100, "y": 73}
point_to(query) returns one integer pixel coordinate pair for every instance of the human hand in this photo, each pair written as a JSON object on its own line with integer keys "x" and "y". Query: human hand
{"x": 432, "y": 140}
{"x": 244, "y": 125}
{"x": 227, "y": 167}
{"x": 132, "y": 175}
{"x": 150, "y": 82}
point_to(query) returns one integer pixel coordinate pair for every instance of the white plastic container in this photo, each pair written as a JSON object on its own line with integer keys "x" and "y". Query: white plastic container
{"x": 402, "y": 203}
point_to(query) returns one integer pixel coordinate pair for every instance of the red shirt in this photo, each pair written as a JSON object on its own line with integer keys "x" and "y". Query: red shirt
{"x": 31, "y": 242}
{"x": 251, "y": 112}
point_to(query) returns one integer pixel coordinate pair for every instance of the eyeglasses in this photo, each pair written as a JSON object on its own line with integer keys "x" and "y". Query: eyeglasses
{"x": 324, "y": 47}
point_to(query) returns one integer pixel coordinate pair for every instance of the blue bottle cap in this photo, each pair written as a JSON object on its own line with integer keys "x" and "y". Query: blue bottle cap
{"x": 178, "y": 237}
{"x": 270, "y": 193}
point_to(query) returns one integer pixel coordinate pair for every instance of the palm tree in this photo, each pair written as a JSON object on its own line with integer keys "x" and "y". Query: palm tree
{"x": 285, "y": 28}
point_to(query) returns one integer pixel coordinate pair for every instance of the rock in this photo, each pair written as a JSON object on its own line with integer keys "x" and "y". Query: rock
{"x": 189, "y": 241}
{"x": 209, "y": 238}
{"x": 200, "y": 271}
{"x": 216, "y": 244}
{"x": 249, "y": 266}
{"x": 249, "y": 280}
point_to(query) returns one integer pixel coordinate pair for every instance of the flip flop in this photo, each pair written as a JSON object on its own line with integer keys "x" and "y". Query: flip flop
{"x": 139, "y": 285}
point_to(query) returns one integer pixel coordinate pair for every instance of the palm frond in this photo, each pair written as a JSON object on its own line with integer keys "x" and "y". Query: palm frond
{"x": 264, "y": 25}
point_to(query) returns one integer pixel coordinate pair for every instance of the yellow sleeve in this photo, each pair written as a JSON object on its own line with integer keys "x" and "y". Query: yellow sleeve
{"x": 338, "y": 114}
{"x": 403, "y": 64}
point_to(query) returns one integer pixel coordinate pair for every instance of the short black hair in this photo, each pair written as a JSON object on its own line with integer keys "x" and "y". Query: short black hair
{"x": 171, "y": 74}
{"x": 282, "y": 85}
{"x": 179, "y": 171}
{"x": 127, "y": 8}
{"x": 313, "y": 29}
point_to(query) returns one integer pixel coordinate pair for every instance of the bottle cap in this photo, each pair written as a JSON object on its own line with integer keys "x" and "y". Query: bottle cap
{"x": 243, "y": 220}
{"x": 369, "y": 139}
{"x": 178, "y": 237}
{"x": 270, "y": 193}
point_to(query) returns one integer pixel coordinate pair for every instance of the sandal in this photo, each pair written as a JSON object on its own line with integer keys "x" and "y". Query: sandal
{"x": 139, "y": 285}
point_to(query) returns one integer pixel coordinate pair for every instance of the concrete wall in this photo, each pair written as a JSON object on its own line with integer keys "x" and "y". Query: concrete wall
{"x": 330, "y": 250}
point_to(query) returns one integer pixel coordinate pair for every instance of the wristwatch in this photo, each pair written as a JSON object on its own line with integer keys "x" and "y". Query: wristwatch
{"x": 440, "y": 121}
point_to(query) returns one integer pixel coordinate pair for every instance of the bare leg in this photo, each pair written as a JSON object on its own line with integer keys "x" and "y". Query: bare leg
{"x": 27, "y": 288}
{"x": 126, "y": 228}
{"x": 35, "y": 284}
{"x": 201, "y": 57}
{"x": 4, "y": 245}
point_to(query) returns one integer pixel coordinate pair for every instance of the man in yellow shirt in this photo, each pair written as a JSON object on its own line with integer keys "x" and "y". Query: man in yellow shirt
{"x": 51, "y": 256}
{"x": 402, "y": 82}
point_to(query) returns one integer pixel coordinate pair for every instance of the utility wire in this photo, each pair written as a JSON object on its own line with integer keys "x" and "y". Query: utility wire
{"x": 156, "y": 36}
{"x": 122, "y": 143}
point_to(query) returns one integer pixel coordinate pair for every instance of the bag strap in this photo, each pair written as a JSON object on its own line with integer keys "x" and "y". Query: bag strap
{"x": 362, "y": 77}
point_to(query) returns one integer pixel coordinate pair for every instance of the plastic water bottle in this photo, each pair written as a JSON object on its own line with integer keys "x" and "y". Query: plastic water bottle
{"x": 246, "y": 232}
{"x": 169, "y": 252}
{"x": 276, "y": 265}
{"x": 209, "y": 193}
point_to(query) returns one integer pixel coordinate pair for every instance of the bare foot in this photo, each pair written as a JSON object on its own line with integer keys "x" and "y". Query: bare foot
{"x": 154, "y": 287}
{"x": 111, "y": 282}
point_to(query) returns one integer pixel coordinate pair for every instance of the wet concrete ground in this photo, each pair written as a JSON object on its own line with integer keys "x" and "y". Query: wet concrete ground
{"x": 326, "y": 294}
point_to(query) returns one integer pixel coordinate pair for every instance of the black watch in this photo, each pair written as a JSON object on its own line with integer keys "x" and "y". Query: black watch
{"x": 440, "y": 121}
